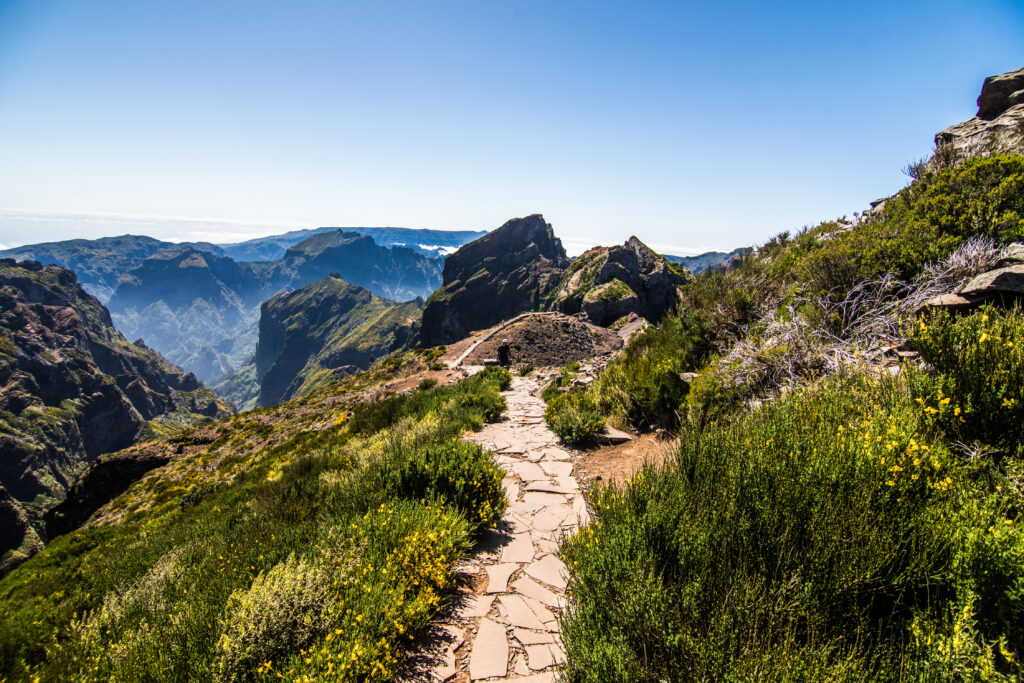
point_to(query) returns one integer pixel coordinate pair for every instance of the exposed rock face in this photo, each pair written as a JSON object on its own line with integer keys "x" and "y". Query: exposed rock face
{"x": 1003, "y": 286}
{"x": 506, "y": 272}
{"x": 997, "y": 127}
{"x": 312, "y": 335}
{"x": 607, "y": 283}
{"x": 71, "y": 386}
{"x": 104, "y": 480}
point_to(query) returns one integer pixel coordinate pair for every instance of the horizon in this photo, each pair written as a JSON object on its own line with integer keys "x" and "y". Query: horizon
{"x": 228, "y": 123}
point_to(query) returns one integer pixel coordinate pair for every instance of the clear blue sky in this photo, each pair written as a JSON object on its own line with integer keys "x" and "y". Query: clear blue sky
{"x": 694, "y": 126}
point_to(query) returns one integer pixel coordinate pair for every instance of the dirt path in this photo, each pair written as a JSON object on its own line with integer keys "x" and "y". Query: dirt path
{"x": 505, "y": 627}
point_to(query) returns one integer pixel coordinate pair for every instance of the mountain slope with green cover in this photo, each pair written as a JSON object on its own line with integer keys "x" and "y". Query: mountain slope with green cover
{"x": 71, "y": 388}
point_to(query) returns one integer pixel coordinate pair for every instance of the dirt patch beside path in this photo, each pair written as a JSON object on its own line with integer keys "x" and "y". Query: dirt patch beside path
{"x": 618, "y": 463}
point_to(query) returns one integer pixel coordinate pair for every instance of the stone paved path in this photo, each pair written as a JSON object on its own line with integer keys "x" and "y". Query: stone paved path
{"x": 506, "y": 628}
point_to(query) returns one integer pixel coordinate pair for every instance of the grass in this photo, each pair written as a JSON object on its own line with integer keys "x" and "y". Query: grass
{"x": 318, "y": 556}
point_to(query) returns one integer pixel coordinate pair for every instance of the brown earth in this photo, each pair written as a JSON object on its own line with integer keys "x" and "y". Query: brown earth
{"x": 616, "y": 464}
{"x": 549, "y": 340}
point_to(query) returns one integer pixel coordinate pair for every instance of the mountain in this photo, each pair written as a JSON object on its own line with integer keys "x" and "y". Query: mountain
{"x": 71, "y": 388}
{"x": 397, "y": 273}
{"x": 427, "y": 242}
{"x": 202, "y": 310}
{"x": 711, "y": 259}
{"x": 606, "y": 283}
{"x": 198, "y": 309}
{"x": 325, "y": 330}
{"x": 521, "y": 266}
{"x": 505, "y": 272}
{"x": 98, "y": 263}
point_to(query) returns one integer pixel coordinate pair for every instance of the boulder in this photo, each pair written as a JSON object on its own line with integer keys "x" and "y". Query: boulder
{"x": 1008, "y": 280}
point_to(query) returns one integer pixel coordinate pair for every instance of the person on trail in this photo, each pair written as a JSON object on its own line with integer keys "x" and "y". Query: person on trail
{"x": 504, "y": 354}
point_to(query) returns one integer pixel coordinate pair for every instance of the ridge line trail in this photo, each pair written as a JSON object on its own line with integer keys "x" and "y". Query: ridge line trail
{"x": 508, "y": 629}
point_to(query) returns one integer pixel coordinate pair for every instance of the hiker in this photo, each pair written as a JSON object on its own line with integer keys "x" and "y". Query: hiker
{"x": 504, "y": 354}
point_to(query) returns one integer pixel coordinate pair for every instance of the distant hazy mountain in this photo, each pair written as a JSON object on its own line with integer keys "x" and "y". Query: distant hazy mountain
{"x": 427, "y": 242}
{"x": 198, "y": 304}
{"x": 98, "y": 263}
{"x": 710, "y": 259}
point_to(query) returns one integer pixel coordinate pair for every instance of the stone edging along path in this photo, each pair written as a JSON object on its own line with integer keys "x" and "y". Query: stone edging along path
{"x": 507, "y": 628}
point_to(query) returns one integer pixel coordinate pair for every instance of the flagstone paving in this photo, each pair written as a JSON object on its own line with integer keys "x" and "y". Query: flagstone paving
{"x": 507, "y": 629}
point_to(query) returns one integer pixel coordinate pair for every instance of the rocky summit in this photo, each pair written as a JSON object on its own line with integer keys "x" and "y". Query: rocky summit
{"x": 71, "y": 387}
{"x": 508, "y": 271}
{"x": 997, "y": 127}
{"x": 607, "y": 283}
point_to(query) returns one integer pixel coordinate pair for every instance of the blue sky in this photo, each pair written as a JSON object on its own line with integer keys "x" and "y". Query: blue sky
{"x": 694, "y": 126}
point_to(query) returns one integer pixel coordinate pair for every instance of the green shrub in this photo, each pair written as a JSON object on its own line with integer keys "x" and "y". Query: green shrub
{"x": 428, "y": 383}
{"x": 802, "y": 541}
{"x": 437, "y": 366}
{"x": 457, "y": 472}
{"x": 284, "y": 610}
{"x": 977, "y": 393}
{"x": 574, "y": 417}
{"x": 525, "y": 371}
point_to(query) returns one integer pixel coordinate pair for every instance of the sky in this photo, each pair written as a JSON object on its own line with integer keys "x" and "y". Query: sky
{"x": 695, "y": 126}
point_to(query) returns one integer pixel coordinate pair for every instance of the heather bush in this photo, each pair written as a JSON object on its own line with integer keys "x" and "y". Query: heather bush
{"x": 810, "y": 539}
{"x": 574, "y": 417}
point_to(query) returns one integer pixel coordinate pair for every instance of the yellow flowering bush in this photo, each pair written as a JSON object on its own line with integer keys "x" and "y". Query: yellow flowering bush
{"x": 977, "y": 390}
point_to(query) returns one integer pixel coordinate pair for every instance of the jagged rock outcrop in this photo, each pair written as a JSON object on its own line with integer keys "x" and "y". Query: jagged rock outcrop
{"x": 1002, "y": 286}
{"x": 606, "y": 283}
{"x": 72, "y": 387}
{"x": 506, "y": 272}
{"x": 319, "y": 332}
{"x": 997, "y": 127}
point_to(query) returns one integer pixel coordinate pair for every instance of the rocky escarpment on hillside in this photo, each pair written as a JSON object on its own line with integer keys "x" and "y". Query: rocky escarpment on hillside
{"x": 997, "y": 127}
{"x": 607, "y": 283}
{"x": 71, "y": 387}
{"x": 506, "y": 272}
{"x": 323, "y": 331}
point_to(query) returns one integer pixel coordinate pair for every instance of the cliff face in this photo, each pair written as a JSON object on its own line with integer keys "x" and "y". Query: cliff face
{"x": 71, "y": 388}
{"x": 606, "y": 283}
{"x": 506, "y": 272}
{"x": 997, "y": 127}
{"x": 324, "y": 330}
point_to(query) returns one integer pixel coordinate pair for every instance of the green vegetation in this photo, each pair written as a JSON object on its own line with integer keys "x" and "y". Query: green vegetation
{"x": 833, "y": 534}
{"x": 574, "y": 417}
{"x": 613, "y": 290}
{"x": 317, "y": 554}
{"x": 820, "y": 520}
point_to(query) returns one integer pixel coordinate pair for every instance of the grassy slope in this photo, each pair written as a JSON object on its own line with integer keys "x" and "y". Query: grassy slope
{"x": 312, "y": 538}
{"x": 856, "y": 528}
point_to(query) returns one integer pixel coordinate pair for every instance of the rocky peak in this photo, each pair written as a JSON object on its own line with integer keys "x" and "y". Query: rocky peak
{"x": 999, "y": 93}
{"x": 518, "y": 241}
{"x": 606, "y": 283}
{"x": 998, "y": 126}
{"x": 506, "y": 272}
